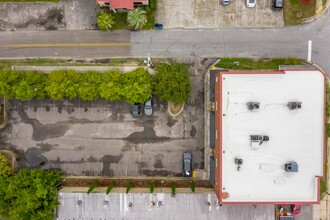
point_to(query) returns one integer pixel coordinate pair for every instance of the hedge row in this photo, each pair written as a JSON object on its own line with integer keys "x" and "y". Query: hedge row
{"x": 134, "y": 86}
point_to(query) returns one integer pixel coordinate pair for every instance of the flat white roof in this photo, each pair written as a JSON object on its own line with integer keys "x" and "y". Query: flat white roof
{"x": 294, "y": 136}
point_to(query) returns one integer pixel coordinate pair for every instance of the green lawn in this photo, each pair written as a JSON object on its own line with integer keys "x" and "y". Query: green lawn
{"x": 256, "y": 64}
{"x": 58, "y": 62}
{"x": 121, "y": 21}
{"x": 294, "y": 12}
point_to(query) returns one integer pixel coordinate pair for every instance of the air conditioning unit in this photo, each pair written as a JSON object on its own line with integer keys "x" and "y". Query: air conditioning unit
{"x": 253, "y": 105}
{"x": 294, "y": 105}
{"x": 291, "y": 167}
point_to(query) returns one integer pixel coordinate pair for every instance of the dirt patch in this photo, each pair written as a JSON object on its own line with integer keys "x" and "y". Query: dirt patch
{"x": 307, "y": 2}
{"x": 174, "y": 107}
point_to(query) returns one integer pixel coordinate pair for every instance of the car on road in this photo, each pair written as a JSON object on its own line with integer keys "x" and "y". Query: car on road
{"x": 277, "y": 4}
{"x": 187, "y": 164}
{"x": 225, "y": 2}
{"x": 251, "y": 3}
{"x": 148, "y": 108}
{"x": 136, "y": 110}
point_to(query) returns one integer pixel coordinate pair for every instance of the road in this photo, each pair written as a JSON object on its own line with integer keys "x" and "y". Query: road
{"x": 281, "y": 42}
{"x": 64, "y": 44}
{"x": 277, "y": 42}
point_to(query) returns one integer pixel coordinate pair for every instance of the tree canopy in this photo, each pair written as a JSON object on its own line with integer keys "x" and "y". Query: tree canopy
{"x": 173, "y": 82}
{"x": 29, "y": 194}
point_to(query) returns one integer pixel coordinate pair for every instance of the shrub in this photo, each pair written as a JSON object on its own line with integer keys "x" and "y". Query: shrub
{"x": 173, "y": 82}
{"x": 152, "y": 186}
{"x": 130, "y": 185}
{"x": 173, "y": 187}
{"x": 192, "y": 186}
{"x": 94, "y": 184}
{"x": 111, "y": 186}
{"x": 5, "y": 169}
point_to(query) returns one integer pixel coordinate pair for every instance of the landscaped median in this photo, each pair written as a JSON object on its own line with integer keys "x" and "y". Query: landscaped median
{"x": 171, "y": 83}
{"x": 171, "y": 185}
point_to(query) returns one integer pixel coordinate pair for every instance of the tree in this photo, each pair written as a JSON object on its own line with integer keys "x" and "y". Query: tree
{"x": 173, "y": 82}
{"x": 8, "y": 78}
{"x": 111, "y": 86}
{"x": 136, "y": 18}
{"x": 89, "y": 86}
{"x": 29, "y": 194}
{"x": 105, "y": 21}
{"x": 137, "y": 86}
{"x": 53, "y": 82}
{"x": 5, "y": 169}
{"x": 24, "y": 91}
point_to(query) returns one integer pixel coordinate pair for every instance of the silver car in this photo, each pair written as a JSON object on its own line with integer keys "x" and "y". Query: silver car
{"x": 148, "y": 108}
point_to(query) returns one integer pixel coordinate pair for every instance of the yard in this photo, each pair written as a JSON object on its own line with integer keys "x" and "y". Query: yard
{"x": 295, "y": 11}
{"x": 256, "y": 64}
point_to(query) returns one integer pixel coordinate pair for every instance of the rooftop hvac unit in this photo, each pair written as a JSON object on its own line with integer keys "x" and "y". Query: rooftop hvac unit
{"x": 294, "y": 105}
{"x": 238, "y": 162}
{"x": 291, "y": 167}
{"x": 257, "y": 140}
{"x": 253, "y": 105}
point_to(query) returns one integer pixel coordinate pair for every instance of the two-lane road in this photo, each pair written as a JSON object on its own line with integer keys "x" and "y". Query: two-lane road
{"x": 65, "y": 44}
{"x": 276, "y": 42}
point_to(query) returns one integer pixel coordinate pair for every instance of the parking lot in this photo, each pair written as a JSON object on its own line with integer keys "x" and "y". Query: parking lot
{"x": 102, "y": 137}
{"x": 211, "y": 14}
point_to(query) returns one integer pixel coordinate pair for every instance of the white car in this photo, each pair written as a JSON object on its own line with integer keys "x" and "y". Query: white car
{"x": 250, "y": 3}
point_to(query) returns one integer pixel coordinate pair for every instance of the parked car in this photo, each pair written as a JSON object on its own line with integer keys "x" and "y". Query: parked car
{"x": 187, "y": 164}
{"x": 277, "y": 4}
{"x": 251, "y": 3}
{"x": 225, "y": 2}
{"x": 136, "y": 110}
{"x": 148, "y": 108}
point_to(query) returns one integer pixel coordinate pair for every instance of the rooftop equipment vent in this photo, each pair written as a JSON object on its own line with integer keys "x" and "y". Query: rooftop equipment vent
{"x": 238, "y": 162}
{"x": 291, "y": 167}
{"x": 253, "y": 105}
{"x": 257, "y": 140}
{"x": 294, "y": 105}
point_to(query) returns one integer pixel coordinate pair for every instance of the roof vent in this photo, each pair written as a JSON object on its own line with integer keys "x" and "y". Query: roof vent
{"x": 294, "y": 105}
{"x": 257, "y": 140}
{"x": 253, "y": 105}
{"x": 238, "y": 162}
{"x": 291, "y": 167}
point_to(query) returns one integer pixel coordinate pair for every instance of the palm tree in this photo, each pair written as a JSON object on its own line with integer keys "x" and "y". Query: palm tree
{"x": 136, "y": 18}
{"x": 105, "y": 21}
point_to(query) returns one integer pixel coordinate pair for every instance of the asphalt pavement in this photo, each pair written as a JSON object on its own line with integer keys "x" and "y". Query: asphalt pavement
{"x": 274, "y": 42}
{"x": 64, "y": 44}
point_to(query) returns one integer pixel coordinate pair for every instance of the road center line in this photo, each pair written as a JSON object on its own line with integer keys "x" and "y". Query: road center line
{"x": 69, "y": 45}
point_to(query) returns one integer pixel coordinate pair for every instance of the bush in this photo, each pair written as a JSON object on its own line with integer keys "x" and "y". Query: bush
{"x": 5, "y": 169}
{"x": 192, "y": 186}
{"x": 173, "y": 187}
{"x": 153, "y": 4}
{"x": 111, "y": 186}
{"x": 94, "y": 184}
{"x": 152, "y": 186}
{"x": 173, "y": 82}
{"x": 130, "y": 185}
